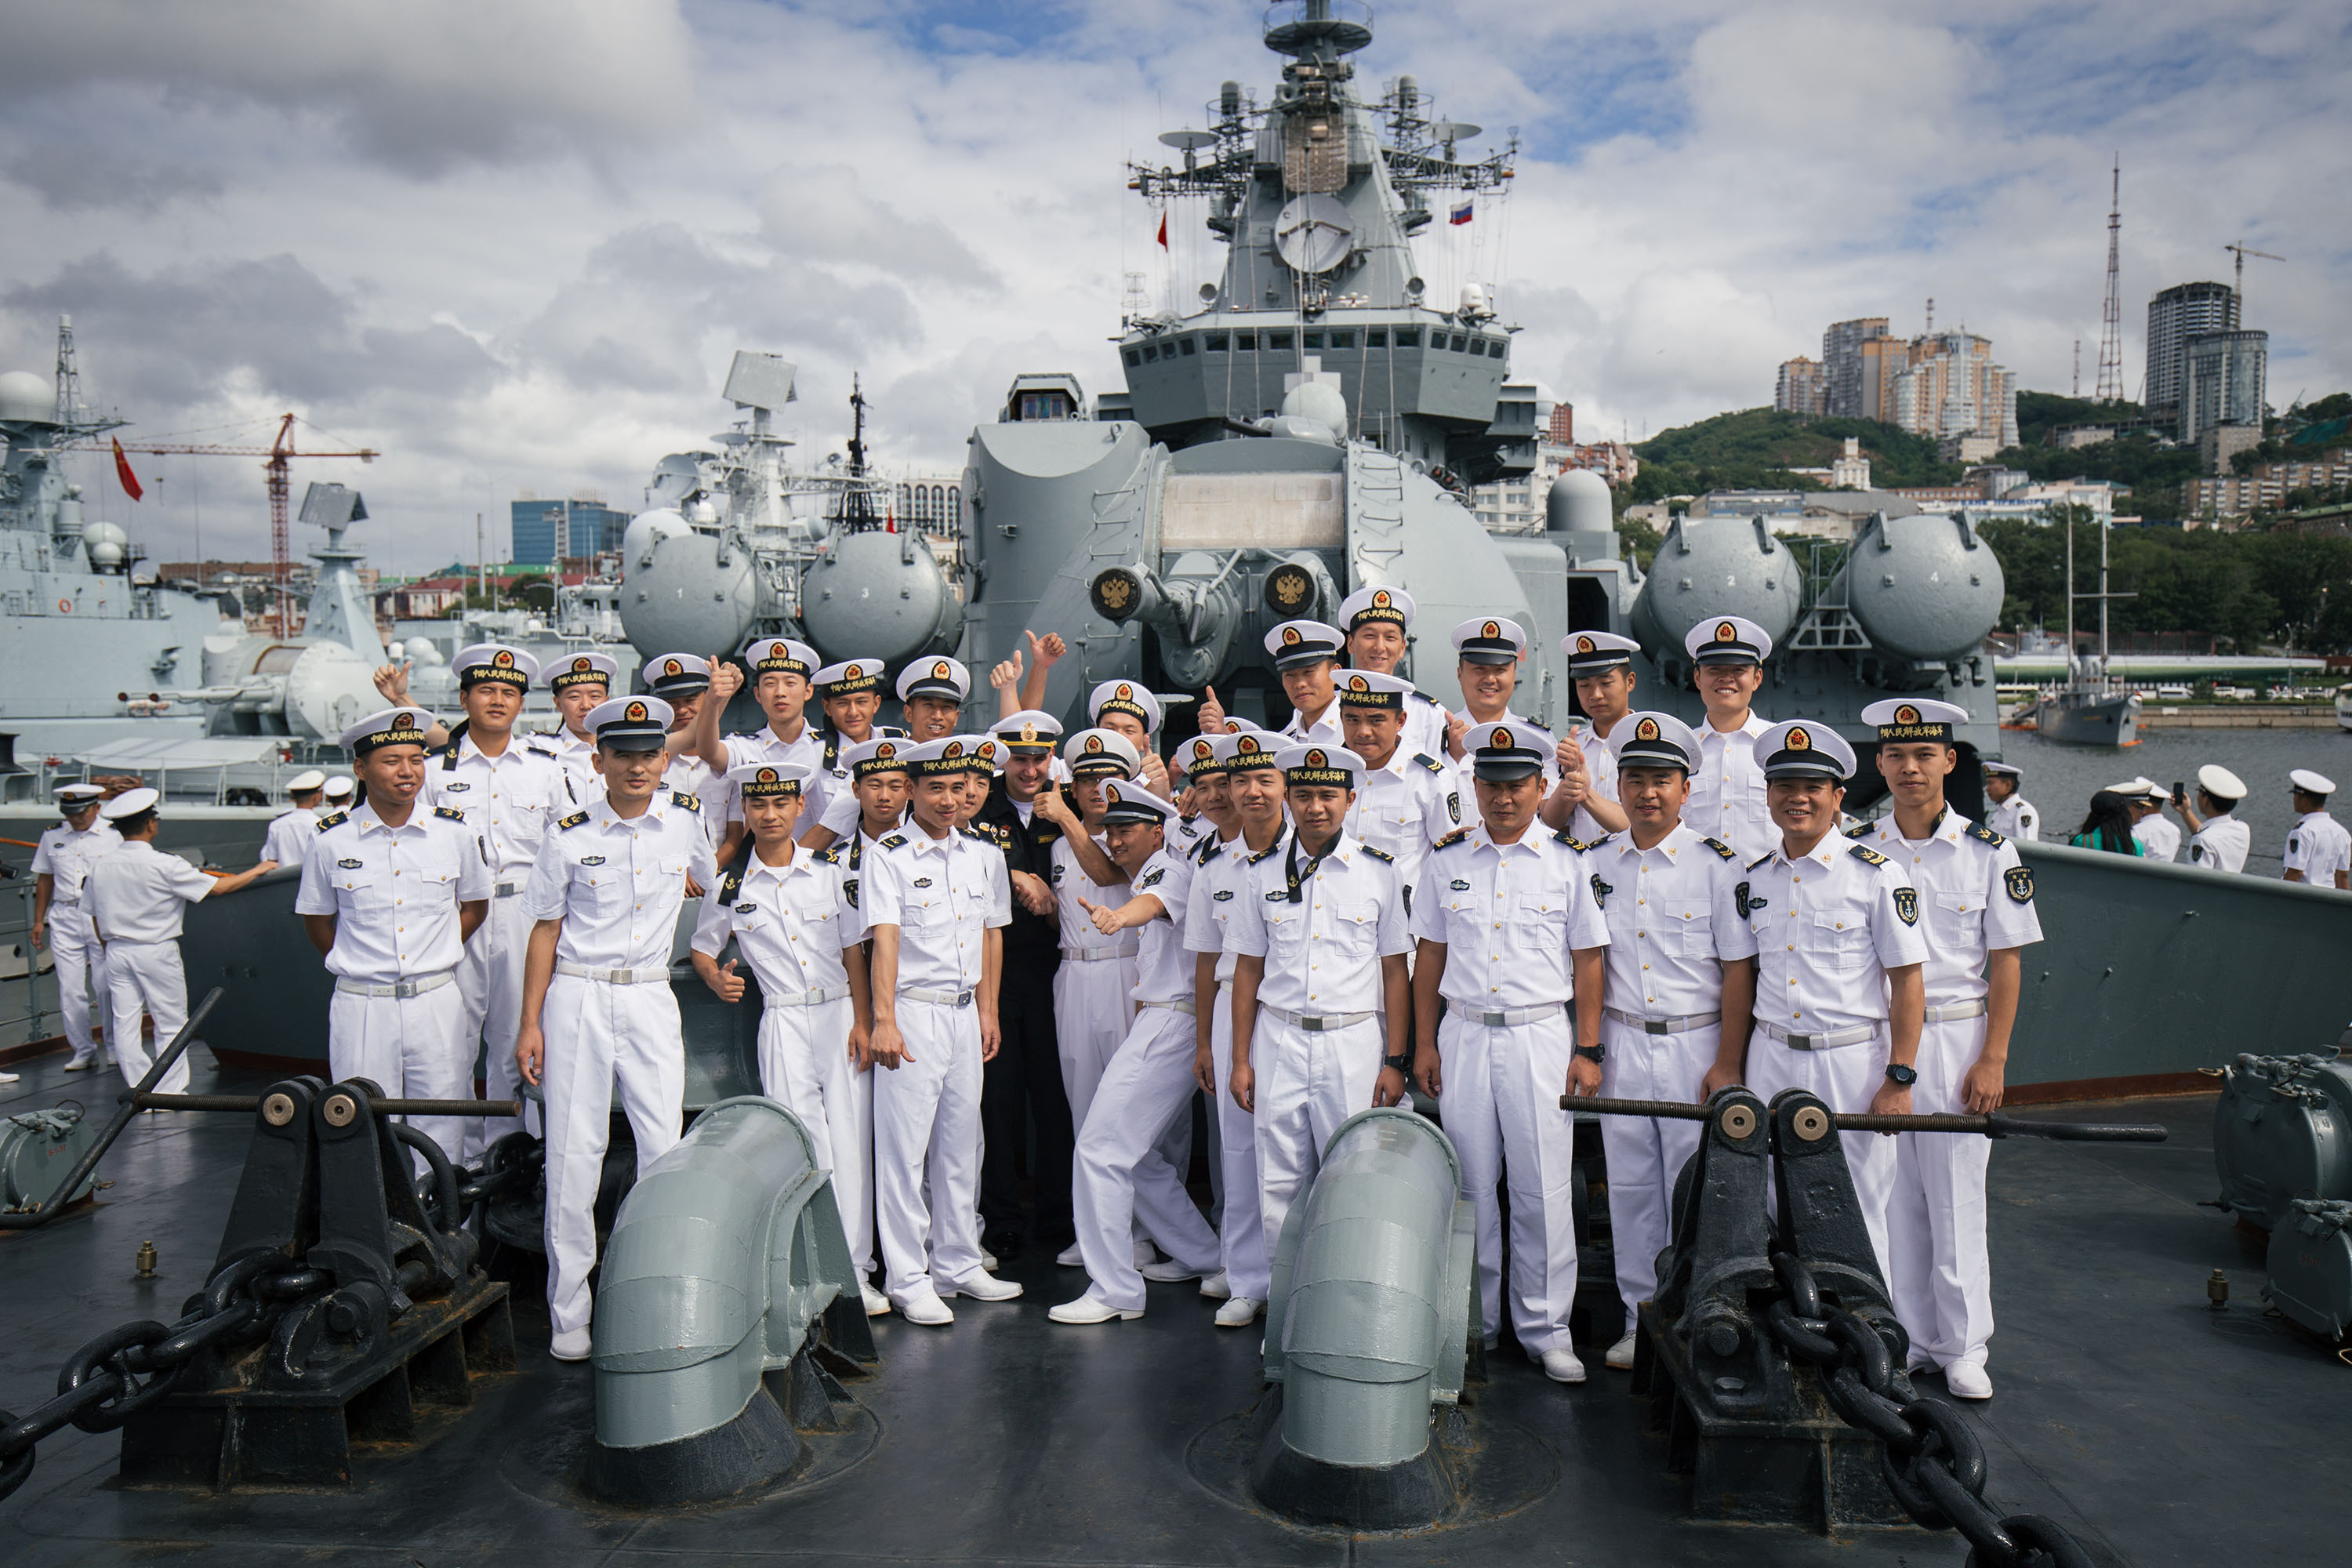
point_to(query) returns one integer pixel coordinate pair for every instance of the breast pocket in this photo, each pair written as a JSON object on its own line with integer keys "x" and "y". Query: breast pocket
{"x": 1958, "y": 920}
{"x": 1356, "y": 927}
{"x": 361, "y": 890}
{"x": 1839, "y": 938}
{"x": 1539, "y": 924}
{"x": 1285, "y": 928}
{"x": 1688, "y": 932}
{"x": 1466, "y": 921}
{"x": 818, "y": 916}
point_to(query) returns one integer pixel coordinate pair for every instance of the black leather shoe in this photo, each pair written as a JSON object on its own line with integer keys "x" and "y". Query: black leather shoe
{"x": 1004, "y": 1243}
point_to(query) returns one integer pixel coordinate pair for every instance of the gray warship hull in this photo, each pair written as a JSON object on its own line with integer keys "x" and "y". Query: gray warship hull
{"x": 2089, "y": 718}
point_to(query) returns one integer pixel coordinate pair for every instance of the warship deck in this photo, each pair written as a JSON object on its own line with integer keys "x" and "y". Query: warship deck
{"x": 2159, "y": 1431}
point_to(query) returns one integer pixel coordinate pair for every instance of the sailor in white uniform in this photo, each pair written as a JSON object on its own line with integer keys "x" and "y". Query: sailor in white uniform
{"x": 1121, "y": 1176}
{"x": 1378, "y": 620}
{"x": 932, "y": 693}
{"x": 1682, "y": 973}
{"x": 1128, "y": 709}
{"x": 792, "y": 914}
{"x": 1977, "y": 897}
{"x": 2318, "y": 849}
{"x": 1488, "y": 651}
{"x": 1510, "y": 938}
{"x": 598, "y": 1013}
{"x": 580, "y": 684}
{"x": 509, "y": 794}
{"x": 683, "y": 681}
{"x": 2009, "y": 813}
{"x": 2218, "y": 841}
{"x": 341, "y": 791}
{"x": 1839, "y": 992}
{"x": 851, "y": 693}
{"x": 1727, "y": 799}
{"x": 779, "y": 670}
{"x": 936, "y": 901}
{"x": 1322, "y": 1002}
{"x": 1307, "y": 660}
{"x": 1601, "y": 671}
{"x": 390, "y": 893}
{"x": 61, "y": 865}
{"x": 2158, "y": 837}
{"x": 1404, "y": 802}
{"x": 1253, "y": 791}
{"x": 135, "y": 895}
{"x": 292, "y": 830}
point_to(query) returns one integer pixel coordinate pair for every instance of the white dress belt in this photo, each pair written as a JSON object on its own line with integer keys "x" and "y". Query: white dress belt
{"x": 937, "y": 998}
{"x": 1831, "y": 1041}
{"x": 416, "y": 987}
{"x": 506, "y": 889}
{"x": 1663, "y": 1026}
{"x": 612, "y": 976}
{"x": 813, "y": 998}
{"x": 1944, "y": 1012}
{"x": 1097, "y": 955}
{"x": 1507, "y": 1017}
{"x": 1184, "y": 1007}
{"x": 1314, "y": 1023}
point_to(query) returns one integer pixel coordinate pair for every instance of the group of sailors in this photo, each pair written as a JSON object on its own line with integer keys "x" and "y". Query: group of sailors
{"x": 2128, "y": 818}
{"x": 989, "y": 949}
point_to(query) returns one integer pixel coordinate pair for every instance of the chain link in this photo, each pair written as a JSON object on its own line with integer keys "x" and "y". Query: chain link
{"x": 1933, "y": 1463}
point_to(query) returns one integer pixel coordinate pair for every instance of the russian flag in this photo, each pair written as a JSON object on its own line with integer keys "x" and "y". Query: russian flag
{"x": 1462, "y": 214}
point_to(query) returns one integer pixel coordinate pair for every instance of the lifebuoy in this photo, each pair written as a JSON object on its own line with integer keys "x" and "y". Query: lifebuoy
{"x": 65, "y": 606}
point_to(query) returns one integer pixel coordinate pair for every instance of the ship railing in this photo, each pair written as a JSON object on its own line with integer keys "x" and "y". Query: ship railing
{"x": 24, "y": 1014}
{"x": 253, "y": 784}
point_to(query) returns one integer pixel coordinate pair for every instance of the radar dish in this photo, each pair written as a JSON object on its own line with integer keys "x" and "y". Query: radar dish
{"x": 1188, "y": 139}
{"x": 1455, "y": 130}
{"x": 674, "y": 478}
{"x": 1314, "y": 233}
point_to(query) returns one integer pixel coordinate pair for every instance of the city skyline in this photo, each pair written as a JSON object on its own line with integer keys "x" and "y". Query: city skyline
{"x": 513, "y": 247}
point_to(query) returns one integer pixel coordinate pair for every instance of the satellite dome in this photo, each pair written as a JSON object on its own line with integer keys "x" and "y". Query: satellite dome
{"x": 1320, "y": 402}
{"x": 107, "y": 544}
{"x": 1578, "y": 503}
{"x": 23, "y": 395}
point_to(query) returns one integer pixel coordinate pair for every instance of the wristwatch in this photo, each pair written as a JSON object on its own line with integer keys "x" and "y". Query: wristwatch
{"x": 1901, "y": 1076}
{"x": 1593, "y": 1053}
{"x": 1396, "y": 1064}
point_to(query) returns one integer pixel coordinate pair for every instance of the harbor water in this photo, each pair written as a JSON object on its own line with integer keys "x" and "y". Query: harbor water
{"x": 2061, "y": 779}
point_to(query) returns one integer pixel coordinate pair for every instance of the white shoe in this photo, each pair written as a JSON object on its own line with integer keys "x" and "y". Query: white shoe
{"x": 1146, "y": 1254}
{"x": 1239, "y": 1312}
{"x": 1213, "y": 1286}
{"x": 1561, "y": 1366}
{"x": 1620, "y": 1355}
{"x": 988, "y": 1260}
{"x": 984, "y": 1286}
{"x": 1966, "y": 1380}
{"x": 83, "y": 1064}
{"x": 1169, "y": 1272}
{"x": 571, "y": 1344}
{"x": 1091, "y": 1309}
{"x": 1070, "y": 1257}
{"x": 924, "y": 1307}
{"x": 878, "y": 1305}
{"x": 7, "y": 1077}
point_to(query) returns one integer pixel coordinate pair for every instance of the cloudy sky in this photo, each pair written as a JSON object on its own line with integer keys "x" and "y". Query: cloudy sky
{"x": 512, "y": 244}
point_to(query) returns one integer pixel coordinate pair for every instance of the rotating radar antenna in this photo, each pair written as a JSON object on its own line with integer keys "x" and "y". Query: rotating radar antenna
{"x": 1314, "y": 233}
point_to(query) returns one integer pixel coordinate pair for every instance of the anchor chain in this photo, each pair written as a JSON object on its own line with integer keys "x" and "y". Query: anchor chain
{"x": 1932, "y": 1460}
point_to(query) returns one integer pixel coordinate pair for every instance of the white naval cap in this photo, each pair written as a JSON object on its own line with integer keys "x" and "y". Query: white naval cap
{"x": 768, "y": 781}
{"x": 494, "y": 662}
{"x": 2220, "y": 783}
{"x": 1320, "y": 767}
{"x": 391, "y": 727}
{"x": 631, "y": 723}
{"x": 2004, "y": 770}
{"x": 1127, "y": 802}
{"x": 946, "y": 756}
{"x": 779, "y": 655}
{"x": 1490, "y": 639}
{"x": 1800, "y": 748}
{"x": 1728, "y": 639}
{"x": 849, "y": 677}
{"x": 1371, "y": 688}
{"x": 1249, "y": 748}
{"x": 675, "y": 675}
{"x": 1125, "y": 697}
{"x": 342, "y": 786}
{"x": 130, "y": 802}
{"x": 881, "y": 755}
{"x": 1031, "y": 730}
{"x": 1902, "y": 721}
{"x": 1597, "y": 653}
{"x": 945, "y": 680}
{"x": 1100, "y": 753}
{"x": 305, "y": 782}
{"x": 2310, "y": 782}
{"x": 78, "y": 796}
{"x": 1197, "y": 758}
{"x": 1296, "y": 643}
{"x": 1654, "y": 739}
{"x": 582, "y": 668}
{"x": 1507, "y": 749}
{"x": 1376, "y": 604}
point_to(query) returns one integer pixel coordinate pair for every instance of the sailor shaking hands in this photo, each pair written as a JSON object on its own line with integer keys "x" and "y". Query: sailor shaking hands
{"x": 391, "y": 891}
{"x": 1510, "y": 938}
{"x": 597, "y": 1010}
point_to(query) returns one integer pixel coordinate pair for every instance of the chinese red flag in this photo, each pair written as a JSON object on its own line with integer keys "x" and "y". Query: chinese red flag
{"x": 1164, "y": 231}
{"x": 122, "y": 471}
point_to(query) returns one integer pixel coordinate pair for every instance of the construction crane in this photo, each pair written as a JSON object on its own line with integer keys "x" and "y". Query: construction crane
{"x": 2238, "y": 289}
{"x": 279, "y": 455}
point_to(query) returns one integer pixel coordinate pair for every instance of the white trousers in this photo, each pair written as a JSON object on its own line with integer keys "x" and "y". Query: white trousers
{"x": 1937, "y": 1268}
{"x": 1094, "y": 1008}
{"x": 927, "y": 1151}
{"x": 144, "y": 978}
{"x": 489, "y": 990}
{"x": 1647, "y": 1154}
{"x": 413, "y": 1047}
{"x": 1503, "y": 1084}
{"x": 1123, "y": 1174}
{"x": 1307, "y": 1084}
{"x": 599, "y": 1037}
{"x": 1241, "y": 1238}
{"x": 1846, "y": 1078}
{"x": 80, "y": 962}
{"x": 804, "y": 1064}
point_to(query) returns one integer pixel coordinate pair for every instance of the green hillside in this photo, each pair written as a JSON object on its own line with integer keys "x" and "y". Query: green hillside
{"x": 1756, "y": 447}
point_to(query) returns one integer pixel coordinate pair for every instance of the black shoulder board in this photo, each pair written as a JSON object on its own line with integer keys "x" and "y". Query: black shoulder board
{"x": 1267, "y": 853}
{"x": 680, "y": 797}
{"x": 574, "y": 820}
{"x": 1760, "y": 860}
{"x": 1573, "y": 842}
{"x": 969, "y": 831}
{"x": 1426, "y": 760}
{"x": 893, "y": 842}
{"x": 828, "y": 857}
{"x": 1859, "y": 830}
{"x": 1210, "y": 845}
{"x": 1979, "y": 831}
{"x": 1718, "y": 846}
{"x": 334, "y": 820}
{"x": 1382, "y": 855}
{"x": 448, "y": 813}
{"x": 1451, "y": 839}
{"x": 1867, "y": 855}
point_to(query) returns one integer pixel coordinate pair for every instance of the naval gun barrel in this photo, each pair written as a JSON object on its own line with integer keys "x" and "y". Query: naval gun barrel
{"x": 1995, "y": 1125}
{"x": 1193, "y": 615}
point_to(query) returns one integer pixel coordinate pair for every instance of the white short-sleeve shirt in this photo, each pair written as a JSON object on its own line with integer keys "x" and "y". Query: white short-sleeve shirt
{"x": 393, "y": 891}
{"x": 792, "y": 923}
{"x": 1674, "y": 921}
{"x": 943, "y": 895}
{"x": 1828, "y": 926}
{"x": 1509, "y": 915}
{"x": 137, "y": 893}
{"x": 618, "y": 882}
{"x": 1975, "y": 895}
{"x": 1322, "y": 953}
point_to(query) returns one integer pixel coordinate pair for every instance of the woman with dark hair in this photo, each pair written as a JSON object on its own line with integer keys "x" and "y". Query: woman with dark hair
{"x": 2108, "y": 826}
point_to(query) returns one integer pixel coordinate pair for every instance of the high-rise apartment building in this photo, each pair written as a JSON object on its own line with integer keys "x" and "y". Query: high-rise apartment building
{"x": 2222, "y": 380}
{"x": 1843, "y": 372}
{"x": 1951, "y": 389}
{"x": 2181, "y": 312}
{"x": 1798, "y": 388}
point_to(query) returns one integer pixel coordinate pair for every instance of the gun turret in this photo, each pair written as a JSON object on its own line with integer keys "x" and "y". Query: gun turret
{"x": 1193, "y": 615}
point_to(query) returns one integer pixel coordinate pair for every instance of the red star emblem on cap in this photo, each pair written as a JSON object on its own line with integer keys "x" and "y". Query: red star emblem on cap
{"x": 1316, "y": 759}
{"x": 1647, "y": 730}
{"x": 1498, "y": 740}
{"x": 1798, "y": 741}
{"x": 635, "y": 712}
